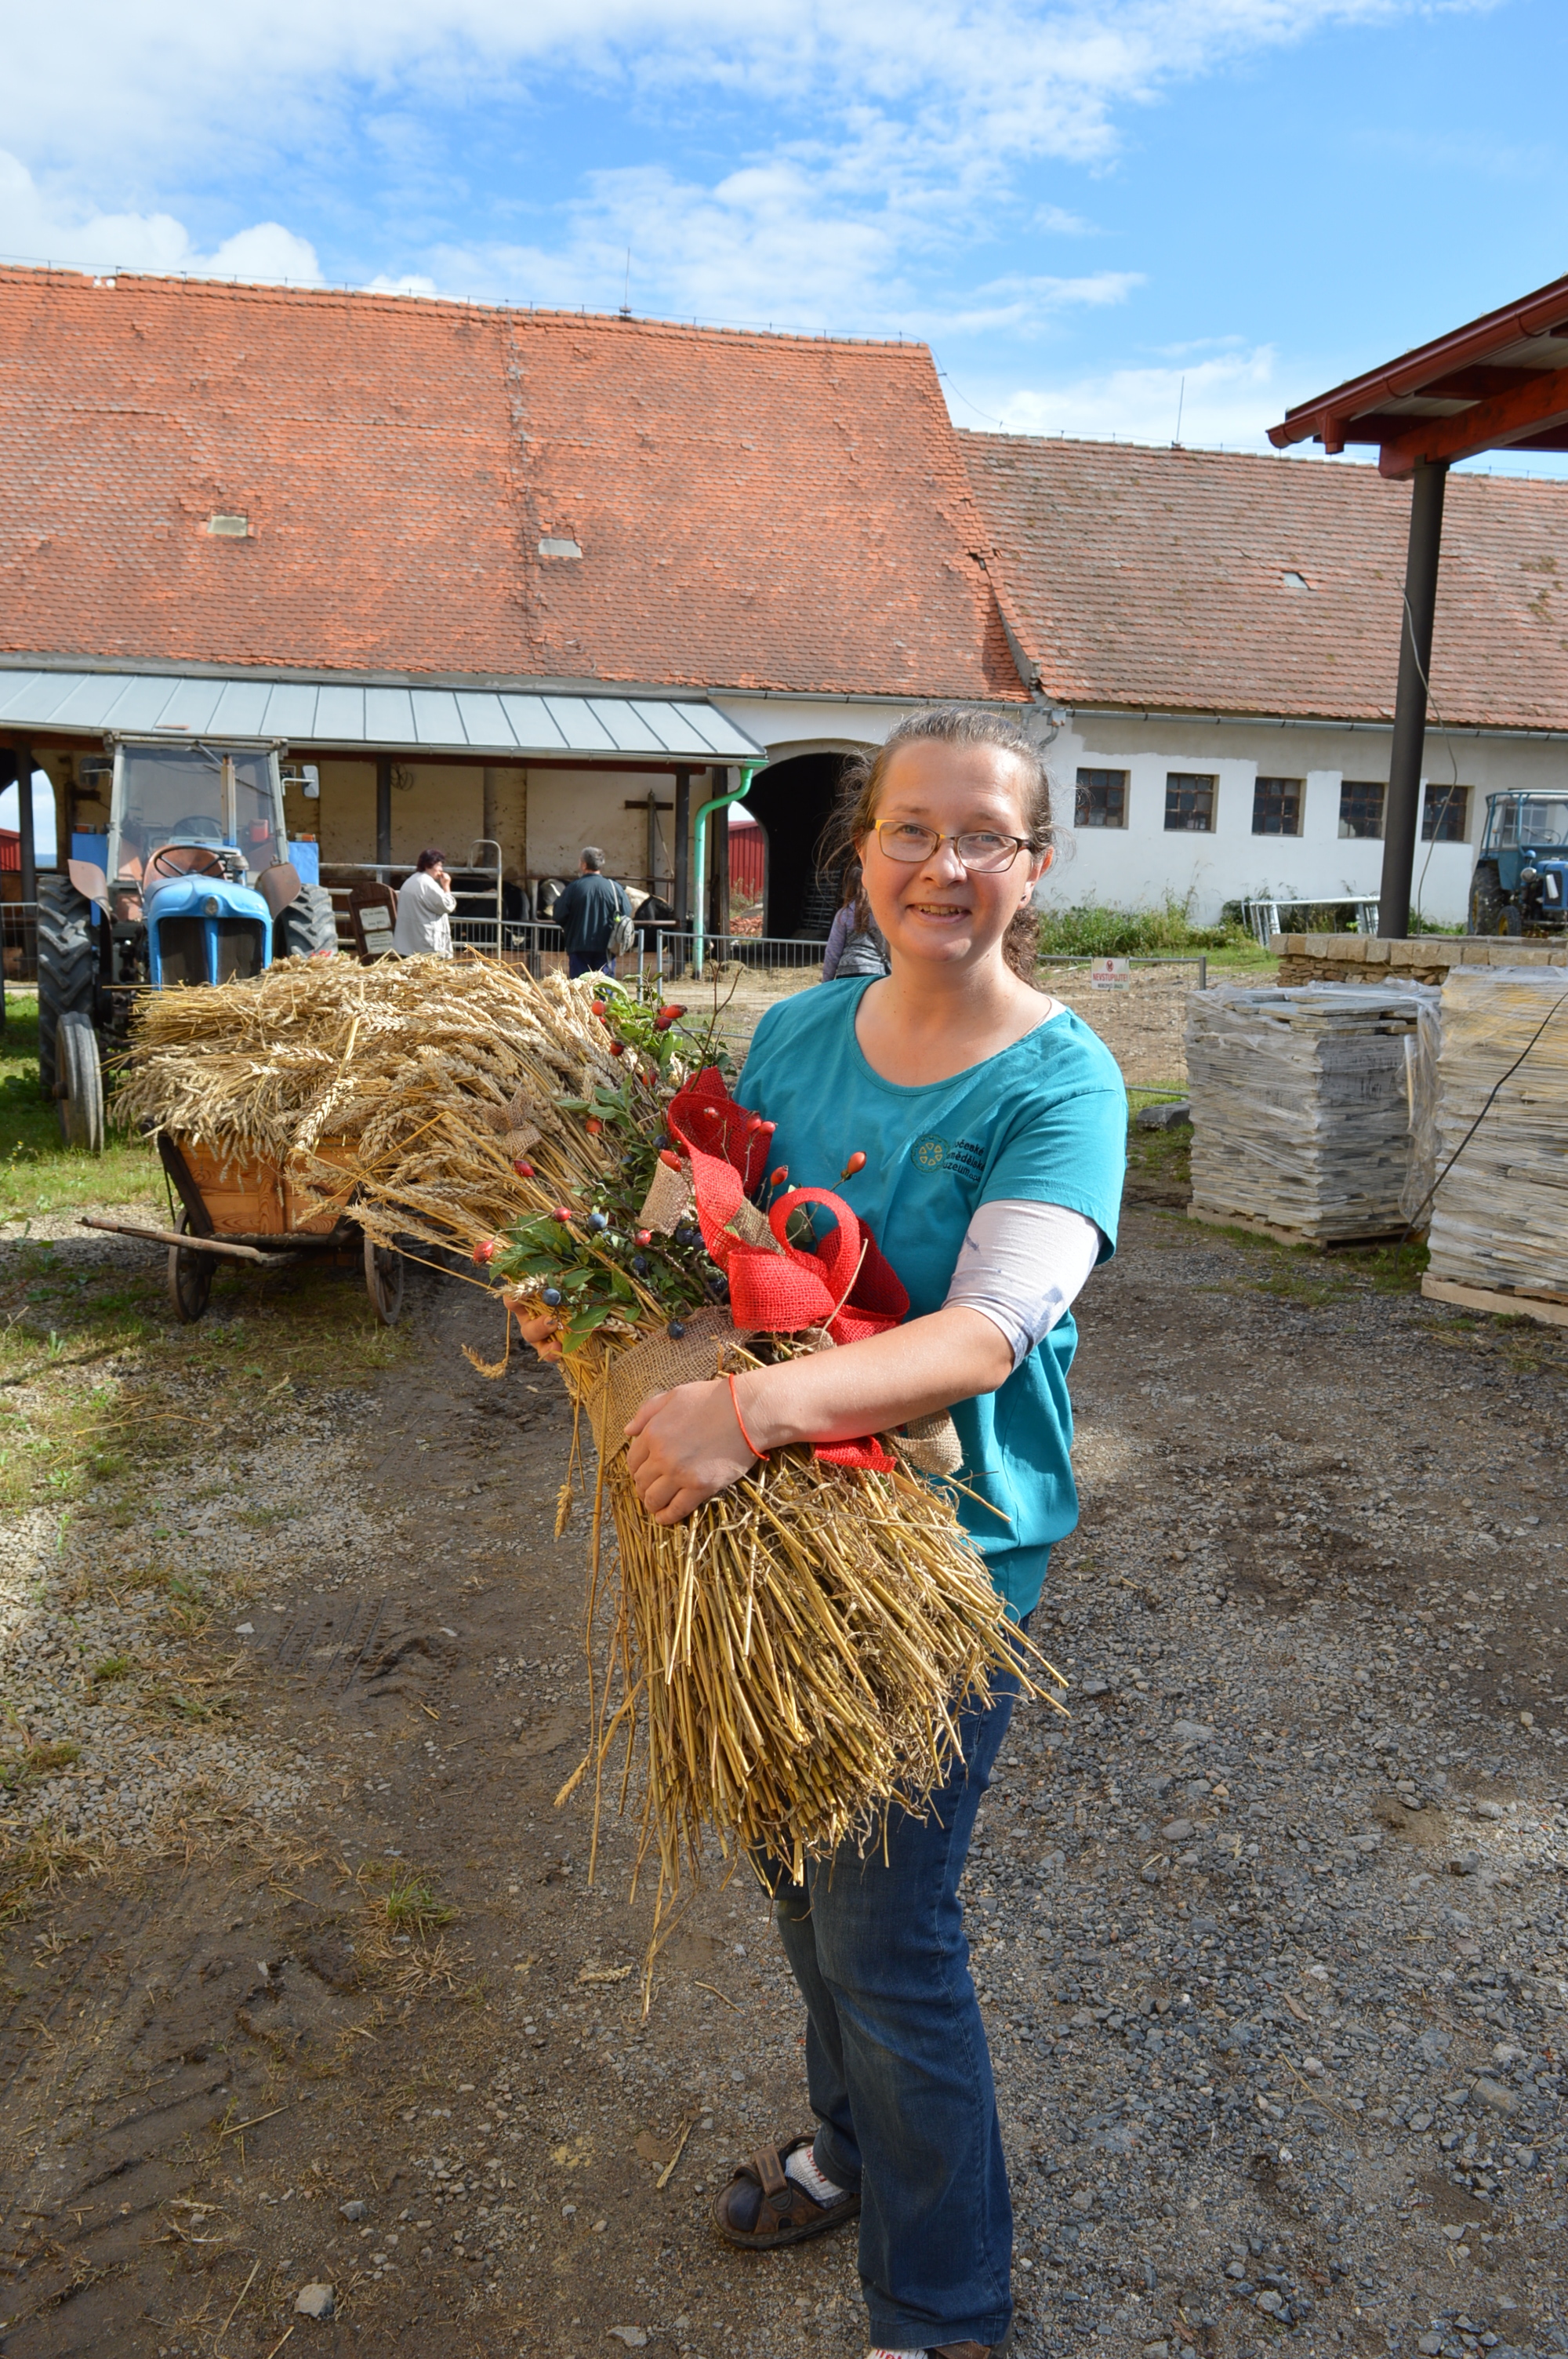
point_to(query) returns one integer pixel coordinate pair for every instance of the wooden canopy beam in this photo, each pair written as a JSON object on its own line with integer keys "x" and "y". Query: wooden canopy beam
{"x": 1492, "y": 425}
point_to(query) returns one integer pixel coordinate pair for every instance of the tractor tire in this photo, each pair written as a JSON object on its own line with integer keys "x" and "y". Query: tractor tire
{"x": 308, "y": 927}
{"x": 80, "y": 1088}
{"x": 68, "y": 968}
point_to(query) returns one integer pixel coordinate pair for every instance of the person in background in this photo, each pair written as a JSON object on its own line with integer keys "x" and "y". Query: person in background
{"x": 587, "y": 913}
{"x": 425, "y": 907}
{"x": 855, "y": 944}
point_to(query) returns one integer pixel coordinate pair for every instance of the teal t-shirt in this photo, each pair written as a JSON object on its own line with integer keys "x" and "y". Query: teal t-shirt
{"x": 1045, "y": 1120}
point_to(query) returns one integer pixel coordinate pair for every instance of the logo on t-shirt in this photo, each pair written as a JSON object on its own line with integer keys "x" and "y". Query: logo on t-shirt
{"x": 963, "y": 1157}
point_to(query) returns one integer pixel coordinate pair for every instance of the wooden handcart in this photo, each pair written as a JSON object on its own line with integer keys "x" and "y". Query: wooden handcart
{"x": 256, "y": 1210}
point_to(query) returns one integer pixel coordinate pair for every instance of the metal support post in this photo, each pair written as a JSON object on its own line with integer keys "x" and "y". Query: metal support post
{"x": 1403, "y": 811}
{"x": 29, "y": 849}
{"x": 718, "y": 861}
{"x": 383, "y": 809}
{"x": 683, "y": 851}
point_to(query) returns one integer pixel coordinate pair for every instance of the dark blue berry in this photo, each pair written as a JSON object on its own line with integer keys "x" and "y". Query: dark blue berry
{"x": 674, "y": 1331}
{"x": 552, "y": 1295}
{"x": 640, "y": 1263}
{"x": 597, "y": 1221}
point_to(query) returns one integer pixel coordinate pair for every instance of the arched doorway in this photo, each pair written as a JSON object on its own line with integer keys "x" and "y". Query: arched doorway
{"x": 790, "y": 801}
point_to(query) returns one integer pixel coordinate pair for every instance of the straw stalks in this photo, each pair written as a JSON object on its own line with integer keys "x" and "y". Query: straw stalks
{"x": 787, "y": 1666}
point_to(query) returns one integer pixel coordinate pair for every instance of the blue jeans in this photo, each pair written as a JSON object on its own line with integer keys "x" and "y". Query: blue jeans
{"x": 580, "y": 962}
{"x": 897, "y": 2067}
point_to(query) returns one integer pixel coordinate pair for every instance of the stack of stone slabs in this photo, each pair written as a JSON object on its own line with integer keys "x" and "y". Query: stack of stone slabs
{"x": 1303, "y": 1107}
{"x": 1500, "y": 1220}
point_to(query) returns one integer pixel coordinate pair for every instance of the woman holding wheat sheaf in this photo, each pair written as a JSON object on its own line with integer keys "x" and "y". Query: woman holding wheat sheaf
{"x": 978, "y": 1130}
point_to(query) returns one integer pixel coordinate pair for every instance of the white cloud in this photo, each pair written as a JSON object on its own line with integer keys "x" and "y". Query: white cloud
{"x": 779, "y": 244}
{"x": 1232, "y": 399}
{"x": 890, "y": 136}
{"x": 39, "y": 226}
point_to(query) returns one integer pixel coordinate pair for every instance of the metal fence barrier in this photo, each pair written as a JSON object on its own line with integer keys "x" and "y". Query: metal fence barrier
{"x": 1139, "y": 1007}
{"x": 20, "y": 940}
{"x": 1264, "y": 915}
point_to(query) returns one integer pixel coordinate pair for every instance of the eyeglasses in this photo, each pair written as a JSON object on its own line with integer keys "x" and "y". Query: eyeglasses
{"x": 978, "y": 848}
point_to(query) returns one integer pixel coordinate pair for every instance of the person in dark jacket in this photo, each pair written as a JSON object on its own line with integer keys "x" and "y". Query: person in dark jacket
{"x": 586, "y": 913}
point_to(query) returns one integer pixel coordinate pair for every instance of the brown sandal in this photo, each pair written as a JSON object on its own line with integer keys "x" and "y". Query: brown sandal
{"x": 783, "y": 2213}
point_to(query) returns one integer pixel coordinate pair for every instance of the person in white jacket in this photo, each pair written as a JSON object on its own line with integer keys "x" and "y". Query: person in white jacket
{"x": 425, "y": 907}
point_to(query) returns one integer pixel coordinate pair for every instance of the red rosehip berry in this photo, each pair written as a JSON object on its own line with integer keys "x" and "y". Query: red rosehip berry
{"x": 593, "y": 1125}
{"x": 856, "y": 1163}
{"x": 523, "y": 1167}
{"x": 644, "y": 1236}
{"x": 671, "y": 1013}
{"x": 671, "y": 1160}
{"x": 618, "y": 1048}
{"x": 561, "y": 1213}
{"x": 776, "y": 1178}
{"x": 485, "y": 1250}
{"x": 598, "y": 1007}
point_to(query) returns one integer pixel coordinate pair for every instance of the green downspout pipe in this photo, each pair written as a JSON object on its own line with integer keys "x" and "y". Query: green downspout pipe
{"x": 700, "y": 892}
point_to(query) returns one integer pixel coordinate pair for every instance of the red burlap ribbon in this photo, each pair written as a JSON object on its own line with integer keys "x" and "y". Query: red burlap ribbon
{"x": 843, "y": 1285}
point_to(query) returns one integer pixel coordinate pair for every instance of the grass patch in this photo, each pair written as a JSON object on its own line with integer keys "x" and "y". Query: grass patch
{"x": 1160, "y": 1166}
{"x": 34, "y": 1865}
{"x": 112, "y": 1668}
{"x": 410, "y": 1904}
{"x": 28, "y": 1763}
{"x": 38, "y": 1173}
{"x": 1091, "y": 929}
{"x": 181, "y": 1391}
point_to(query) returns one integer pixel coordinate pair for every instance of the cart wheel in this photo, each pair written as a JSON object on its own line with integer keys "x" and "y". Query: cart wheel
{"x": 190, "y": 1279}
{"x": 80, "y": 1084}
{"x": 384, "y": 1281}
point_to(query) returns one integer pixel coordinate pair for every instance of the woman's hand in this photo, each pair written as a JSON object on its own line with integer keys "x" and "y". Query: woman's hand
{"x": 542, "y": 1331}
{"x": 686, "y": 1445}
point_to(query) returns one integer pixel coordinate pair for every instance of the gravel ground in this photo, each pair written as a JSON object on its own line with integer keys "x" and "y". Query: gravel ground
{"x": 1270, "y": 1938}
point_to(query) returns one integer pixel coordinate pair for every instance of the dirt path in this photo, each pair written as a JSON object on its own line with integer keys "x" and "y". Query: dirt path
{"x": 1270, "y": 1940}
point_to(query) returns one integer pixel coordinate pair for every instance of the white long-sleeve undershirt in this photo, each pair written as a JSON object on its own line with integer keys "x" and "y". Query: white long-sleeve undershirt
{"x": 1022, "y": 1265}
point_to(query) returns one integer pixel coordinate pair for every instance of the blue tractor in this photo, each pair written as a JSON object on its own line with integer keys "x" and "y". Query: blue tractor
{"x": 195, "y": 886}
{"x": 1520, "y": 884}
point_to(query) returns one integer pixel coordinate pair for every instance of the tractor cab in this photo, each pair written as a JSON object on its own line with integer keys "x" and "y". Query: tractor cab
{"x": 193, "y": 829}
{"x": 1521, "y": 885}
{"x": 192, "y": 884}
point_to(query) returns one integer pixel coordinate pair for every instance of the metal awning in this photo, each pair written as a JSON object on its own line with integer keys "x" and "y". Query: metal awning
{"x": 328, "y": 713}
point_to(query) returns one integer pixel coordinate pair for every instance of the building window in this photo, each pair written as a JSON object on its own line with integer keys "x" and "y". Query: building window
{"x": 1102, "y": 799}
{"x": 1361, "y": 808}
{"x": 1446, "y": 815}
{"x": 1189, "y": 802}
{"x": 1277, "y": 807}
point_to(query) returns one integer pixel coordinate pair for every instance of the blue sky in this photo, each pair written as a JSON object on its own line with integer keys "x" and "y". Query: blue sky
{"x": 1079, "y": 206}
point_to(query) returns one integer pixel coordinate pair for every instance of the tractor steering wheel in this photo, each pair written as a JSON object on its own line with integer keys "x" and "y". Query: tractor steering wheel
{"x": 205, "y": 864}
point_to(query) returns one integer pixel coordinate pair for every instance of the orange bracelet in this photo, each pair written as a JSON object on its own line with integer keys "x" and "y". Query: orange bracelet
{"x": 742, "y": 1423}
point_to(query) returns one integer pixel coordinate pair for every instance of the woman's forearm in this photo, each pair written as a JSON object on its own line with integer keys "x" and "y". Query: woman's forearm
{"x": 868, "y": 1388}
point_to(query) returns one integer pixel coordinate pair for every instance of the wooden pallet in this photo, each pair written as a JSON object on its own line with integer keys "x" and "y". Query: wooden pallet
{"x": 1551, "y": 1310}
{"x": 1282, "y": 1236}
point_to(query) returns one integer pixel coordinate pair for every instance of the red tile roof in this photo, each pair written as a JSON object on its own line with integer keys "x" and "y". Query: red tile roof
{"x": 753, "y": 511}
{"x": 1155, "y": 578}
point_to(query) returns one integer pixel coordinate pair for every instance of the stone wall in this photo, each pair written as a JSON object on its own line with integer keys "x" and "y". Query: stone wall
{"x": 1426, "y": 958}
